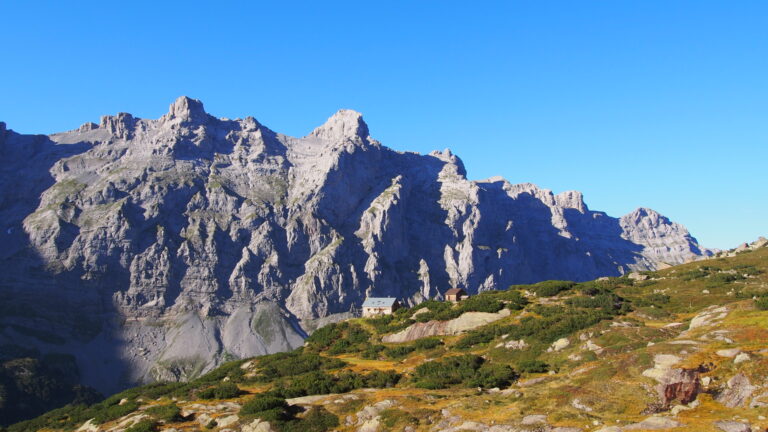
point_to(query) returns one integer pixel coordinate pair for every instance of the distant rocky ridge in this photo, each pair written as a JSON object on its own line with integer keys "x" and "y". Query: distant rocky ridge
{"x": 155, "y": 249}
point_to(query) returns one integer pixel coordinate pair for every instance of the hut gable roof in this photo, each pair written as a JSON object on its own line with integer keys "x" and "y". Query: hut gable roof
{"x": 379, "y": 302}
{"x": 455, "y": 291}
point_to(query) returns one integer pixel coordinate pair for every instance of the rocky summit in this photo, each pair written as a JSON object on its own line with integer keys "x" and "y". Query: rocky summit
{"x": 157, "y": 249}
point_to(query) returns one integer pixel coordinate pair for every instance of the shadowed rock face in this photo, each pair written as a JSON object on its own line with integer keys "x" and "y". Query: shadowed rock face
{"x": 159, "y": 248}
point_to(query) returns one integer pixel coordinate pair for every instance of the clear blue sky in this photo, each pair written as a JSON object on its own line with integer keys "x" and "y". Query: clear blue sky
{"x": 662, "y": 104}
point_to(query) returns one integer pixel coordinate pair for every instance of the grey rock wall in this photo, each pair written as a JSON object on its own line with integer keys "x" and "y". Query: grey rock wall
{"x": 155, "y": 249}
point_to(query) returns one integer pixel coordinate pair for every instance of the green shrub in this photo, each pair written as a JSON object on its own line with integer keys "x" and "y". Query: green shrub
{"x": 167, "y": 413}
{"x": 547, "y": 288}
{"x": 266, "y": 407}
{"x": 467, "y": 370}
{"x": 480, "y": 303}
{"x": 427, "y": 344}
{"x": 690, "y": 275}
{"x": 341, "y": 346}
{"x": 748, "y": 270}
{"x": 116, "y": 411}
{"x": 533, "y": 366}
{"x": 294, "y": 363}
{"x": 515, "y": 300}
{"x": 143, "y": 426}
{"x": 317, "y": 419}
{"x": 608, "y": 302}
{"x": 381, "y": 379}
{"x": 476, "y": 337}
{"x": 392, "y": 323}
{"x": 206, "y": 393}
{"x": 226, "y": 390}
{"x": 438, "y": 311}
{"x": 720, "y": 279}
{"x": 493, "y": 375}
{"x": 398, "y": 351}
{"x": 339, "y": 338}
{"x": 762, "y": 303}
{"x": 231, "y": 370}
{"x": 548, "y": 311}
{"x": 655, "y": 299}
{"x": 373, "y": 352}
{"x": 318, "y": 382}
{"x": 323, "y": 337}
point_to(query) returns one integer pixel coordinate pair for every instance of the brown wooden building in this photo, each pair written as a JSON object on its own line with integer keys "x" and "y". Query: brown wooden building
{"x": 455, "y": 295}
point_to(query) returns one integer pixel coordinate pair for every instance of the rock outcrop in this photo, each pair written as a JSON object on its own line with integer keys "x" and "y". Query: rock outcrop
{"x": 674, "y": 384}
{"x": 737, "y": 392}
{"x": 467, "y": 321}
{"x": 156, "y": 249}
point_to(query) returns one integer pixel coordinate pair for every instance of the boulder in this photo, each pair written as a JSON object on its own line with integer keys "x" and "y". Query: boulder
{"x": 653, "y": 423}
{"x": 560, "y": 344}
{"x": 732, "y": 426}
{"x": 729, "y": 353}
{"x": 709, "y": 316}
{"x": 257, "y": 426}
{"x": 738, "y": 391}
{"x": 226, "y": 421}
{"x": 741, "y": 358}
{"x": 89, "y": 426}
{"x": 534, "y": 419}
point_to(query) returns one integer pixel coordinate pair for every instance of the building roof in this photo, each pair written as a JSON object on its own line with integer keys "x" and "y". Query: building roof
{"x": 379, "y": 302}
{"x": 455, "y": 291}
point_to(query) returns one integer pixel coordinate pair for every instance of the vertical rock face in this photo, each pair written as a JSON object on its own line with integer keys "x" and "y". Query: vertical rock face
{"x": 158, "y": 248}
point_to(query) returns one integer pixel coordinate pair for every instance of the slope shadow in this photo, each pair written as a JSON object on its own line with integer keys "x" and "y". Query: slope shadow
{"x": 44, "y": 306}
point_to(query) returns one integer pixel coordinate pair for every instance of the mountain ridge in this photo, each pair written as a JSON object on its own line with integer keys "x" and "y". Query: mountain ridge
{"x": 160, "y": 248}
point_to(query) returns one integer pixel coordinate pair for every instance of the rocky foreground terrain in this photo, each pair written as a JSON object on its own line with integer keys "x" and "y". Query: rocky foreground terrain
{"x": 156, "y": 249}
{"x": 680, "y": 349}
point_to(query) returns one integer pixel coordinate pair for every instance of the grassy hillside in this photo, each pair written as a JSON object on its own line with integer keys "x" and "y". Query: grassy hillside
{"x": 682, "y": 349}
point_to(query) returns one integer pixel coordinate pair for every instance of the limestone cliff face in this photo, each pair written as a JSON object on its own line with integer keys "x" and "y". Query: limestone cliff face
{"x": 159, "y": 248}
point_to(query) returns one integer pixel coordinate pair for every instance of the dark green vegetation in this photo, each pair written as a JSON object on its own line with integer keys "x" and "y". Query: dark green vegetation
{"x": 225, "y": 390}
{"x": 589, "y": 304}
{"x": 466, "y": 370}
{"x": 276, "y": 411}
{"x": 291, "y": 374}
{"x": 547, "y": 288}
{"x": 167, "y": 413}
{"x": 338, "y": 338}
{"x": 762, "y": 303}
{"x": 143, "y": 426}
{"x": 31, "y": 384}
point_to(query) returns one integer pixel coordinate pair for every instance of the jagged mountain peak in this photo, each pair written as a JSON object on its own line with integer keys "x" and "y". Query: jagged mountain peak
{"x": 572, "y": 199}
{"x": 187, "y": 109}
{"x": 446, "y": 155}
{"x": 345, "y": 124}
{"x": 641, "y": 213}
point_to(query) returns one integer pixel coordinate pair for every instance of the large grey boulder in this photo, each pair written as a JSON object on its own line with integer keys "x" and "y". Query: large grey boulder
{"x": 733, "y": 426}
{"x": 737, "y": 392}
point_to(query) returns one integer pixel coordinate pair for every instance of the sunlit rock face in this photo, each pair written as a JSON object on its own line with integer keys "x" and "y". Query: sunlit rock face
{"x": 156, "y": 249}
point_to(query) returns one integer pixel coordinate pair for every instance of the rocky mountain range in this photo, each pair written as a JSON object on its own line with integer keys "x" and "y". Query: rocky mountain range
{"x": 156, "y": 249}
